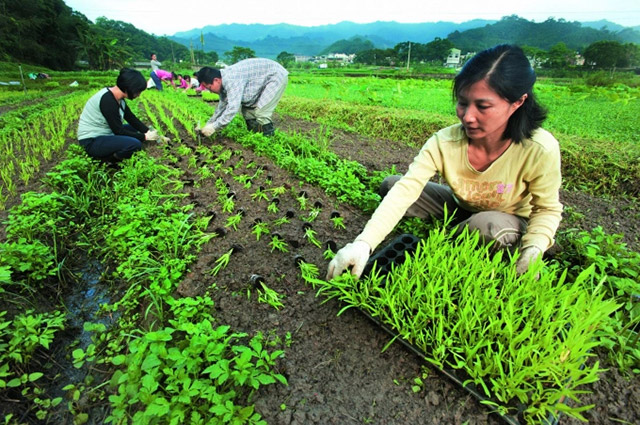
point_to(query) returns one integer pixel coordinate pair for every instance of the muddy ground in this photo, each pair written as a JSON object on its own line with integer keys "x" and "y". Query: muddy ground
{"x": 335, "y": 365}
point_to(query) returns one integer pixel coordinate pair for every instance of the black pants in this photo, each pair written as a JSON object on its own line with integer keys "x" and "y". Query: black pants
{"x": 111, "y": 147}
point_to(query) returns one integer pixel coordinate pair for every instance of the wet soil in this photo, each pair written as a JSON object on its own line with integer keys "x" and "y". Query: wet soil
{"x": 337, "y": 367}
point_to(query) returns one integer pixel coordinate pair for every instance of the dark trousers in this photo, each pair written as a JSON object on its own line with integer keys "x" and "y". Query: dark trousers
{"x": 156, "y": 80}
{"x": 111, "y": 147}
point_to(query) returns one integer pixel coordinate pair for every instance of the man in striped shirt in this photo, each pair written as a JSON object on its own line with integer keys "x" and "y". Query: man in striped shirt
{"x": 252, "y": 86}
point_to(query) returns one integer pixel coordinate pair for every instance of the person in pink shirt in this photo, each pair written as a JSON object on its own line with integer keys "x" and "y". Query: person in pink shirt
{"x": 185, "y": 82}
{"x": 160, "y": 75}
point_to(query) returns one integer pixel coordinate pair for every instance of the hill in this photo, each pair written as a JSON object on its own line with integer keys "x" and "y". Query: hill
{"x": 269, "y": 40}
{"x": 516, "y": 30}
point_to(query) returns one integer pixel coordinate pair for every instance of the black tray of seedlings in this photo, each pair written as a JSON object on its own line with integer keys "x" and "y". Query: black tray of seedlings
{"x": 394, "y": 254}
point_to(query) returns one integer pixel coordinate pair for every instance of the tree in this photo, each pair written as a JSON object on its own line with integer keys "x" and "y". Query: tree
{"x": 606, "y": 55}
{"x": 285, "y": 58}
{"x": 40, "y": 32}
{"x": 384, "y": 57}
{"x": 559, "y": 56}
{"x": 205, "y": 58}
{"x": 437, "y": 50}
{"x": 239, "y": 53}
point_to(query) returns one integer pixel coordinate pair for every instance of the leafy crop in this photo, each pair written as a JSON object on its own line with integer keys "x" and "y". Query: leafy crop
{"x": 517, "y": 339}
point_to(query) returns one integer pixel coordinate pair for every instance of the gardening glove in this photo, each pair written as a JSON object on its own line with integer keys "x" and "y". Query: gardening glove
{"x": 151, "y": 135}
{"x": 528, "y": 256}
{"x": 353, "y": 254}
{"x": 207, "y": 130}
{"x": 165, "y": 139}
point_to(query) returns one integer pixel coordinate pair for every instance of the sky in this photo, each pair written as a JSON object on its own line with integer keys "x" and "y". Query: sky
{"x": 166, "y": 17}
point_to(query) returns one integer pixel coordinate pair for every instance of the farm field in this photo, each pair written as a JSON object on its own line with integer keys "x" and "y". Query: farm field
{"x": 201, "y": 234}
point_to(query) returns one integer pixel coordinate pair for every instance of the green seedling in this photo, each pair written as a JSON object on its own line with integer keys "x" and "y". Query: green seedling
{"x": 278, "y": 244}
{"x": 313, "y": 214}
{"x": 310, "y": 235}
{"x": 280, "y": 221}
{"x": 259, "y": 229}
{"x": 277, "y": 191}
{"x": 303, "y": 201}
{"x": 270, "y": 296}
{"x": 221, "y": 263}
{"x": 273, "y": 208}
{"x": 233, "y": 221}
{"x": 338, "y": 222}
{"x": 328, "y": 254}
{"x": 228, "y": 205}
{"x": 259, "y": 194}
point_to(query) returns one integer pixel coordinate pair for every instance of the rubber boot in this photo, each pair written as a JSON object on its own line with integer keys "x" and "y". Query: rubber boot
{"x": 268, "y": 129}
{"x": 253, "y": 126}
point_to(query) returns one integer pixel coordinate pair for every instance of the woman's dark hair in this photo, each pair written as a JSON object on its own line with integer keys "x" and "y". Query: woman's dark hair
{"x": 207, "y": 74}
{"x": 508, "y": 72}
{"x": 131, "y": 82}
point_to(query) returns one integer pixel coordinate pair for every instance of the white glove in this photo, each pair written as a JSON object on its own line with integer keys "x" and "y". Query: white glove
{"x": 165, "y": 139}
{"x": 151, "y": 135}
{"x": 353, "y": 254}
{"x": 207, "y": 130}
{"x": 528, "y": 256}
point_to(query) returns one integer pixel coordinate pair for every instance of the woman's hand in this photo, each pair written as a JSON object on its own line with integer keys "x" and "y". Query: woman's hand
{"x": 353, "y": 254}
{"x": 527, "y": 257}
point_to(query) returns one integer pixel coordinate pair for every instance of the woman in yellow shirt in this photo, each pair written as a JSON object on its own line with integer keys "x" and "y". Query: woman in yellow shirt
{"x": 502, "y": 169}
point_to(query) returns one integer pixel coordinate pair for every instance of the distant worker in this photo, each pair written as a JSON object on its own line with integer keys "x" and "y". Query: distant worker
{"x": 160, "y": 75}
{"x": 101, "y": 131}
{"x": 185, "y": 82}
{"x": 502, "y": 169}
{"x": 155, "y": 65}
{"x": 251, "y": 86}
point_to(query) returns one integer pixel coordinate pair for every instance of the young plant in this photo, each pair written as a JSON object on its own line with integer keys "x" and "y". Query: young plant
{"x": 303, "y": 201}
{"x": 228, "y": 205}
{"x": 277, "y": 191}
{"x": 338, "y": 222}
{"x": 273, "y": 208}
{"x": 259, "y": 194}
{"x": 233, "y": 221}
{"x": 310, "y": 235}
{"x": 270, "y": 296}
{"x": 328, "y": 254}
{"x": 313, "y": 214}
{"x": 280, "y": 221}
{"x": 259, "y": 229}
{"x": 279, "y": 244}
{"x": 221, "y": 263}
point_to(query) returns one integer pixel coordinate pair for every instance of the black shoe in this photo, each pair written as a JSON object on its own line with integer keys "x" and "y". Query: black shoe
{"x": 253, "y": 126}
{"x": 268, "y": 129}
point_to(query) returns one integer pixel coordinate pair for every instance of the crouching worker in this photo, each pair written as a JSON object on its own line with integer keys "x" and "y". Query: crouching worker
{"x": 502, "y": 169}
{"x": 252, "y": 86}
{"x": 101, "y": 131}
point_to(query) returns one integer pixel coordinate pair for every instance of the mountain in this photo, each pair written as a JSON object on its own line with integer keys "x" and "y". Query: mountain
{"x": 543, "y": 35}
{"x": 270, "y": 40}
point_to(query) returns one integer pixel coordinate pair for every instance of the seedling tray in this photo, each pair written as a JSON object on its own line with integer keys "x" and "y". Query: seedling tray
{"x": 394, "y": 253}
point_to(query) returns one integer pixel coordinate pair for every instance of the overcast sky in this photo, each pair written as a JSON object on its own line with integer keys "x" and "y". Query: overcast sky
{"x": 166, "y": 17}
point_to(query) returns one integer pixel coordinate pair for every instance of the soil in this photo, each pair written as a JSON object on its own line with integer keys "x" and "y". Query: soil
{"x": 337, "y": 367}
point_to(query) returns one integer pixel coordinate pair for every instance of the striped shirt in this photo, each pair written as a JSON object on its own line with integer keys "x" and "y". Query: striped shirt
{"x": 250, "y": 83}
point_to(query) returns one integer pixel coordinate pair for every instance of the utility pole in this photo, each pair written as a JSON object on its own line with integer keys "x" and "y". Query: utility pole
{"x": 24, "y": 86}
{"x": 409, "y": 57}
